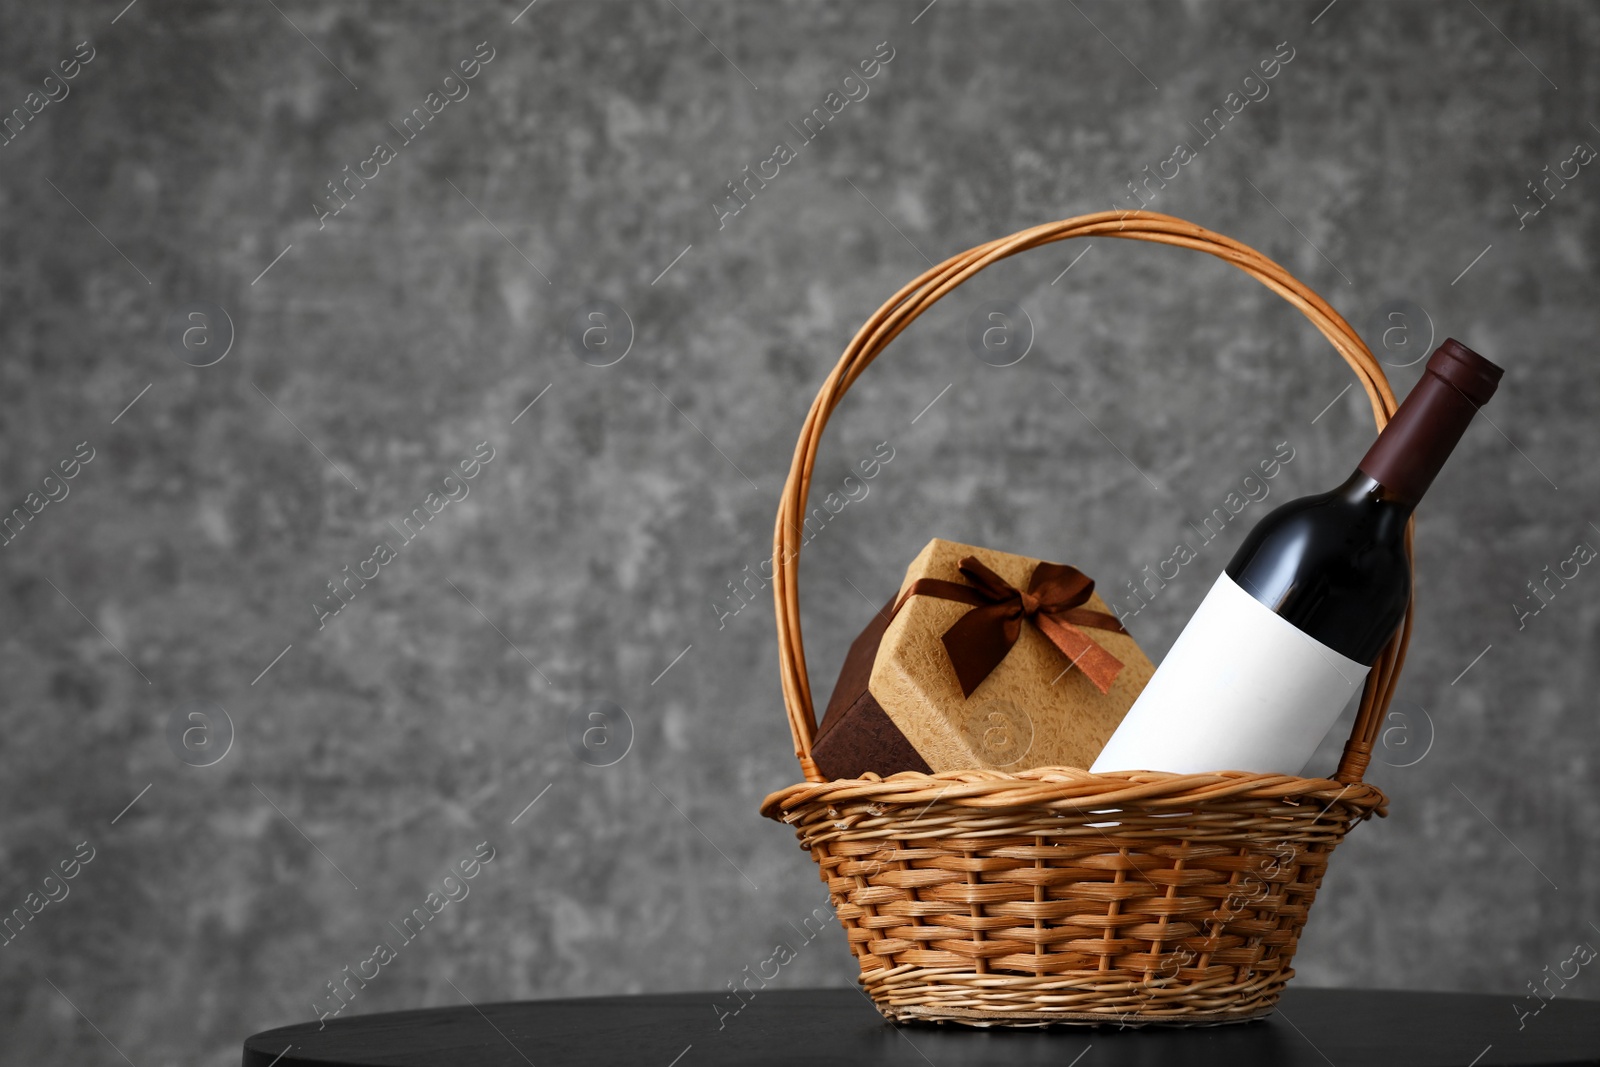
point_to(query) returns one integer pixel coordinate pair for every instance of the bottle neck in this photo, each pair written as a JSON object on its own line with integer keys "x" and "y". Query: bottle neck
{"x": 1363, "y": 489}
{"x": 1411, "y": 450}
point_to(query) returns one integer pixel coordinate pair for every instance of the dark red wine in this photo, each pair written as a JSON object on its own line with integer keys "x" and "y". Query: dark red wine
{"x": 1288, "y": 632}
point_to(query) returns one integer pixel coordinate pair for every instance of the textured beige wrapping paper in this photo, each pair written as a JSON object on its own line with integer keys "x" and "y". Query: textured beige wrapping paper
{"x": 1032, "y": 711}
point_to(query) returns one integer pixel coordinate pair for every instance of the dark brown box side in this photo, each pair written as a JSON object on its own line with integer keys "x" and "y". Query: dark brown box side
{"x": 856, "y": 736}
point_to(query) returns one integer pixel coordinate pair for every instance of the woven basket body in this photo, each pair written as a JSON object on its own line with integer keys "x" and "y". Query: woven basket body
{"x": 1055, "y": 895}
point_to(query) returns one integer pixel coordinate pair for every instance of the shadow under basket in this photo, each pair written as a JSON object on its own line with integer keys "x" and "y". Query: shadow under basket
{"x": 1056, "y": 896}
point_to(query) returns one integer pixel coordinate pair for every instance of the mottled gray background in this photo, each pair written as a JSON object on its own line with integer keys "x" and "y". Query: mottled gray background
{"x": 597, "y": 546}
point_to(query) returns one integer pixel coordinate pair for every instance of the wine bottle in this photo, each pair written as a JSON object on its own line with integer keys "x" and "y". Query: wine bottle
{"x": 1289, "y": 631}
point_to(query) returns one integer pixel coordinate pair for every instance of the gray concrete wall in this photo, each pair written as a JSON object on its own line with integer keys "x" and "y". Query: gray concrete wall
{"x": 374, "y": 349}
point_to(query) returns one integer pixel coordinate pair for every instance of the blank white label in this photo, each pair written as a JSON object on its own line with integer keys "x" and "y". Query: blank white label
{"x": 1242, "y": 690}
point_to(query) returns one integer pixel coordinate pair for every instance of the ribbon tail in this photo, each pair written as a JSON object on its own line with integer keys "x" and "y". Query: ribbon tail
{"x": 978, "y": 641}
{"x": 1098, "y": 665}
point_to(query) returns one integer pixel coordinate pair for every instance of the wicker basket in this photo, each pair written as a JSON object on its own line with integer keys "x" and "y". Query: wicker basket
{"x": 1055, "y": 895}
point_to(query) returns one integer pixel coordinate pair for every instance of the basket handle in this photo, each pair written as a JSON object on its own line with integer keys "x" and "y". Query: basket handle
{"x": 926, "y": 290}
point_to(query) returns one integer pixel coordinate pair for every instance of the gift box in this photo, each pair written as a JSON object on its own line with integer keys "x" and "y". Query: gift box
{"x": 983, "y": 659}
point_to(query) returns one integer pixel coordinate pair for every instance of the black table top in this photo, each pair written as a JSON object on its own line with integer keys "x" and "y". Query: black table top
{"x": 1313, "y": 1027}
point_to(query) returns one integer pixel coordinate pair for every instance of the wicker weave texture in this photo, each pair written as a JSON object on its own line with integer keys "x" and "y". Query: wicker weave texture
{"x": 1181, "y": 902}
{"x": 1055, "y": 895}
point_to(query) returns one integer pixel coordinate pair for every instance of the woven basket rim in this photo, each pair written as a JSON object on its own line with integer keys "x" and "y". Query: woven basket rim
{"x": 1070, "y": 789}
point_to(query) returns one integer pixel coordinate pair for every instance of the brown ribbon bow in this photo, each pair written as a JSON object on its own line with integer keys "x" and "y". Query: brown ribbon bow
{"x": 980, "y": 639}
